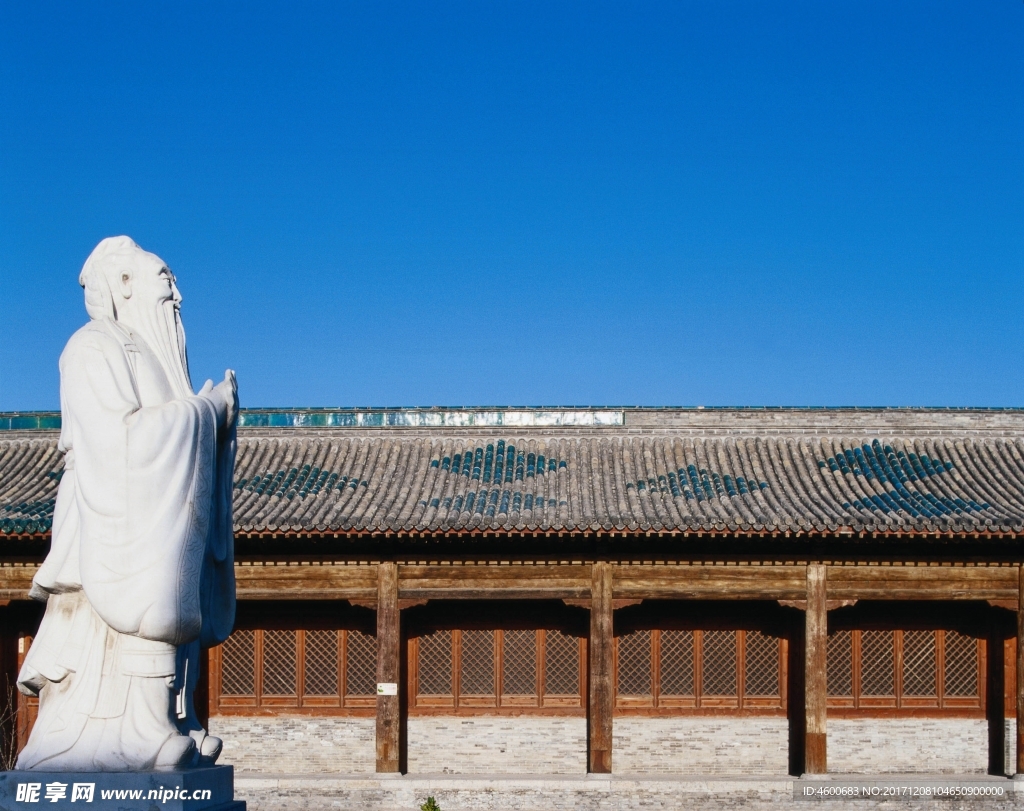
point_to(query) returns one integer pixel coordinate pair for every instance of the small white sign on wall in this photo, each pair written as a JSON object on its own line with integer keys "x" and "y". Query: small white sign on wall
{"x": 387, "y": 688}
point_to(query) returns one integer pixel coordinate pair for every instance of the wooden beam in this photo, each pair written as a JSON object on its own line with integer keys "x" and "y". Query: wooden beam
{"x": 922, "y": 582}
{"x": 1019, "y": 688}
{"x": 815, "y": 688}
{"x": 540, "y": 581}
{"x": 313, "y": 580}
{"x": 306, "y": 581}
{"x": 501, "y": 582}
{"x": 16, "y": 580}
{"x": 389, "y": 639}
{"x": 601, "y": 660}
{"x": 700, "y": 582}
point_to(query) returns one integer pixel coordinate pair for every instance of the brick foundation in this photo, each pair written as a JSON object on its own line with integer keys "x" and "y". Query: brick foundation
{"x": 893, "y": 745}
{"x": 527, "y": 745}
{"x": 1010, "y": 745}
{"x": 497, "y": 745}
{"x": 297, "y": 745}
{"x": 754, "y": 746}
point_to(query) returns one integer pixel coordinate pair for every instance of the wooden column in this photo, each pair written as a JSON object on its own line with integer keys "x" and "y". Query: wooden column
{"x": 995, "y": 698}
{"x": 601, "y": 659}
{"x": 815, "y": 688}
{"x": 9, "y": 695}
{"x": 389, "y": 638}
{"x": 1019, "y": 687}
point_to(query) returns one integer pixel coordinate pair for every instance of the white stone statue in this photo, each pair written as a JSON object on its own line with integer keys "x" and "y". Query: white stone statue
{"x": 140, "y": 571}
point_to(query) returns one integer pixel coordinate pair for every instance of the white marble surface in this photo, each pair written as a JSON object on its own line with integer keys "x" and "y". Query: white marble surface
{"x": 140, "y": 567}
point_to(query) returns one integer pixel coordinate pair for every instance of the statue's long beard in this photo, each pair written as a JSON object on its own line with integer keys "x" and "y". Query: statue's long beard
{"x": 162, "y": 330}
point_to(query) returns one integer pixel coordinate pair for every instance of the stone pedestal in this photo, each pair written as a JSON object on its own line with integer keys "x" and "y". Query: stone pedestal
{"x": 205, "y": 789}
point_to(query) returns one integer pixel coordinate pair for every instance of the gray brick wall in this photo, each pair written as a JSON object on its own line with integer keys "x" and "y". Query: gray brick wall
{"x": 297, "y": 745}
{"x": 497, "y": 745}
{"x": 1010, "y": 745}
{"x": 643, "y": 746}
{"x": 889, "y": 745}
{"x": 700, "y": 746}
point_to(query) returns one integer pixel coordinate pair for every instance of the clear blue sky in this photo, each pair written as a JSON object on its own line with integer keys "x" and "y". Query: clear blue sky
{"x": 429, "y": 203}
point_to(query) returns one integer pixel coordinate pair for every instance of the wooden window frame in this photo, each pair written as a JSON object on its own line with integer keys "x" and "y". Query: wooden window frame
{"x": 900, "y": 705}
{"x": 540, "y": 703}
{"x": 699, "y": 704}
{"x": 297, "y": 704}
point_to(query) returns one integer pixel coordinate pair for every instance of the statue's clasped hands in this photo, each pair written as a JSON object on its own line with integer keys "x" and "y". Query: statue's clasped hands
{"x": 224, "y": 396}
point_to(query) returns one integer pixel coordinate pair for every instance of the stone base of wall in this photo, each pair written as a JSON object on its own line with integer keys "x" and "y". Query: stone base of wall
{"x": 497, "y": 745}
{"x": 705, "y": 745}
{"x": 892, "y": 745}
{"x": 1010, "y": 745}
{"x": 591, "y": 793}
{"x": 297, "y": 744}
{"x": 527, "y": 745}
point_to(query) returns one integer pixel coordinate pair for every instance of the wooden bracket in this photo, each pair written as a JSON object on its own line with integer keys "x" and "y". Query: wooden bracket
{"x": 584, "y": 602}
{"x": 372, "y": 604}
{"x": 830, "y": 605}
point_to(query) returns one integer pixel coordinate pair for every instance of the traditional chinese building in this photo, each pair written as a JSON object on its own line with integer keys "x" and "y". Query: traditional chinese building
{"x": 648, "y": 591}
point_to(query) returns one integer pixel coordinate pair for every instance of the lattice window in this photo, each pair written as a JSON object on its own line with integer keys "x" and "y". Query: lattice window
{"x": 677, "y": 672}
{"x": 321, "y": 671}
{"x": 435, "y": 664}
{"x": 719, "y": 663}
{"x": 961, "y": 665}
{"x": 937, "y": 670}
{"x": 291, "y": 670}
{"x": 360, "y": 664}
{"x": 238, "y": 664}
{"x": 877, "y": 664}
{"x": 561, "y": 664}
{"x": 761, "y": 664}
{"x": 715, "y": 670}
{"x": 840, "y": 664}
{"x": 279, "y": 663}
{"x": 477, "y": 672}
{"x": 919, "y": 664}
{"x": 634, "y": 664}
{"x": 519, "y": 663}
{"x": 525, "y": 659}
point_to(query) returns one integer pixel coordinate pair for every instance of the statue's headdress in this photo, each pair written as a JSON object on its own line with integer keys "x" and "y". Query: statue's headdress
{"x": 106, "y": 259}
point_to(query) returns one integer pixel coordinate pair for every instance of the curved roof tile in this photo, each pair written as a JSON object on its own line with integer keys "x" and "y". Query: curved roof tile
{"x": 507, "y": 478}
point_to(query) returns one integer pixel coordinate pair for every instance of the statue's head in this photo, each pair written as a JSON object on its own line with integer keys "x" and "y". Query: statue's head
{"x": 136, "y": 289}
{"x": 120, "y": 277}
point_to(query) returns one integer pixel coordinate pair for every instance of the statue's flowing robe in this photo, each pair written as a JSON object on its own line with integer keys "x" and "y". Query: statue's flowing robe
{"x": 140, "y": 570}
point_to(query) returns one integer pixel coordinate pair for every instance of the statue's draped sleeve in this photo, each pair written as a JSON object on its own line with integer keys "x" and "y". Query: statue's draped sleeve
{"x": 152, "y": 487}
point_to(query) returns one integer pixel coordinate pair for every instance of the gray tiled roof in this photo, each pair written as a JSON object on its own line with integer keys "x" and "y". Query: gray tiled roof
{"x": 879, "y": 471}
